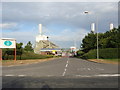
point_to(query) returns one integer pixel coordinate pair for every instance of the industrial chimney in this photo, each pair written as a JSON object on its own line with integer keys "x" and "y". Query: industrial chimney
{"x": 93, "y": 27}
{"x": 41, "y": 36}
{"x": 111, "y": 26}
{"x": 40, "y": 29}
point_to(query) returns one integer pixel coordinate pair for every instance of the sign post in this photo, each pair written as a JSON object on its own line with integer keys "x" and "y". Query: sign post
{"x": 7, "y": 43}
{"x": 0, "y": 53}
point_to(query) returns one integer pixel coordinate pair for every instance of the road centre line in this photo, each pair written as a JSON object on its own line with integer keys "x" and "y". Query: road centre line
{"x": 67, "y": 61}
{"x": 89, "y": 69}
{"x": 65, "y": 68}
{"x": 66, "y": 65}
{"x": 63, "y": 74}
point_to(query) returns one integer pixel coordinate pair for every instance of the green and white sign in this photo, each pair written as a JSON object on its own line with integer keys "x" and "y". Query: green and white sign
{"x": 8, "y": 43}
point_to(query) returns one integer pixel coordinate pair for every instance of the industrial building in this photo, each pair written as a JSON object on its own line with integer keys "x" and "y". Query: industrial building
{"x": 43, "y": 45}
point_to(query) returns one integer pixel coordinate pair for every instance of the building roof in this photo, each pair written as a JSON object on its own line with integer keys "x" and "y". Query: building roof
{"x": 50, "y": 49}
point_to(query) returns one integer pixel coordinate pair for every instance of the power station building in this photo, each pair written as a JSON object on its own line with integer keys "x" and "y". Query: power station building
{"x": 43, "y": 45}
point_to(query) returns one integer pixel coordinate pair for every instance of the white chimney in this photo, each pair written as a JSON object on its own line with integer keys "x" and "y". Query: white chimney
{"x": 93, "y": 27}
{"x": 40, "y": 29}
{"x": 111, "y": 26}
{"x": 40, "y": 36}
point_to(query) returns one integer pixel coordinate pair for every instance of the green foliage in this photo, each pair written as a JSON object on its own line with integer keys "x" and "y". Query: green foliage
{"x": 32, "y": 55}
{"x": 109, "y": 39}
{"x": 107, "y": 53}
{"x": 8, "y": 53}
{"x": 19, "y": 46}
{"x": 28, "y": 47}
{"x": 80, "y": 53}
{"x": 23, "y": 54}
{"x": 27, "y": 55}
{"x": 89, "y": 42}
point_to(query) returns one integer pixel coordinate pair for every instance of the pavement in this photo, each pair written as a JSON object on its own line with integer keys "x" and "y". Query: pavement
{"x": 61, "y": 73}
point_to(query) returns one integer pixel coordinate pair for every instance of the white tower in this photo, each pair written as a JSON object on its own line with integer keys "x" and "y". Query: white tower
{"x": 40, "y": 29}
{"x": 93, "y": 27}
{"x": 40, "y": 36}
{"x": 42, "y": 42}
{"x": 111, "y": 26}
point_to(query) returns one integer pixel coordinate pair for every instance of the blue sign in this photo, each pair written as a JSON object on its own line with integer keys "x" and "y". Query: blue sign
{"x": 8, "y": 43}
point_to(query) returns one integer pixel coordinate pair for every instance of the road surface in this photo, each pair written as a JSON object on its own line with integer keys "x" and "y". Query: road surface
{"x": 61, "y": 73}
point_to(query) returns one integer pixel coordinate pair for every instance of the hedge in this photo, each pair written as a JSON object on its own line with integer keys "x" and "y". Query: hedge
{"x": 107, "y": 53}
{"x": 27, "y": 55}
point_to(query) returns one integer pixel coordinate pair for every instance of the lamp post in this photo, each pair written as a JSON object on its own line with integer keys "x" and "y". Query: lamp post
{"x": 87, "y": 12}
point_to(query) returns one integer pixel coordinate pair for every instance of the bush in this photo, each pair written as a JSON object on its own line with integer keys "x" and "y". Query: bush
{"x": 80, "y": 53}
{"x": 107, "y": 53}
{"x": 32, "y": 55}
{"x": 26, "y": 55}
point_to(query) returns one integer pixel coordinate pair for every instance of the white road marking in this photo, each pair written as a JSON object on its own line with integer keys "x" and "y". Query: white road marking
{"x": 81, "y": 69}
{"x": 66, "y": 65}
{"x": 105, "y": 75}
{"x": 65, "y": 69}
{"x": 9, "y": 75}
{"x": 67, "y": 61}
{"x": 49, "y": 75}
{"x": 89, "y": 69}
{"x": 100, "y": 68}
{"x": 101, "y": 75}
{"x": 83, "y": 76}
{"x": 63, "y": 74}
{"x": 21, "y": 75}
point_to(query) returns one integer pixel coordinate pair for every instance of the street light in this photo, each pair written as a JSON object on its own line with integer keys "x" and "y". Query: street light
{"x": 87, "y": 12}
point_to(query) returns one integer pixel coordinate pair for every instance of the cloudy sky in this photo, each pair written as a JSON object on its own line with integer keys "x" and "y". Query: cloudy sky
{"x": 64, "y": 22}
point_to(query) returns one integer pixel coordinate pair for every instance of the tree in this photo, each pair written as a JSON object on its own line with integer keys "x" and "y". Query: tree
{"x": 109, "y": 39}
{"x": 10, "y": 51}
{"x": 28, "y": 47}
{"x": 19, "y": 46}
{"x": 89, "y": 42}
{"x": 19, "y": 49}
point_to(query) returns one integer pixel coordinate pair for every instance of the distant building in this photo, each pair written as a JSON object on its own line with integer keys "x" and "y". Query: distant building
{"x": 53, "y": 51}
{"x": 42, "y": 42}
{"x": 73, "y": 48}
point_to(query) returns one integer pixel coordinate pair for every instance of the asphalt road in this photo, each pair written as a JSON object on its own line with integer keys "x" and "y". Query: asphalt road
{"x": 61, "y": 73}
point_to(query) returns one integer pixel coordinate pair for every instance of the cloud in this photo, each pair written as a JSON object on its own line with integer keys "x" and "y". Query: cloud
{"x": 8, "y": 25}
{"x": 60, "y": 0}
{"x": 65, "y": 13}
{"x": 23, "y": 37}
{"x": 68, "y": 15}
{"x": 70, "y": 35}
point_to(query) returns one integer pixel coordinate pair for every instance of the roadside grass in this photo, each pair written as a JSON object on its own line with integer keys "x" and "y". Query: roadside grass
{"x": 110, "y": 61}
{"x": 20, "y": 62}
{"x": 114, "y": 60}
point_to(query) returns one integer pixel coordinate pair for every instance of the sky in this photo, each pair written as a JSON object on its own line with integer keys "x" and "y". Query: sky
{"x": 63, "y": 22}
